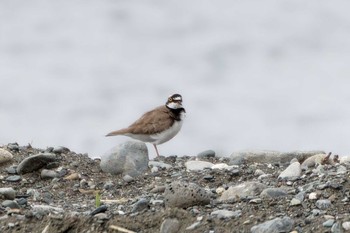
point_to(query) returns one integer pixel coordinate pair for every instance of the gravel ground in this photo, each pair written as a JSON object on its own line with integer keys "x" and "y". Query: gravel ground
{"x": 66, "y": 201}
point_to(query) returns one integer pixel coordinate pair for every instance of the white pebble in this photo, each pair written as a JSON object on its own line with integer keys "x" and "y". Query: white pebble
{"x": 313, "y": 196}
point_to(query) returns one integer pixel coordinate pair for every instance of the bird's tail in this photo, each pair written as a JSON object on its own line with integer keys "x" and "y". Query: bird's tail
{"x": 117, "y": 132}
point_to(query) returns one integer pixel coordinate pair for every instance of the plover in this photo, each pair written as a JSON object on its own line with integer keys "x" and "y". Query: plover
{"x": 158, "y": 125}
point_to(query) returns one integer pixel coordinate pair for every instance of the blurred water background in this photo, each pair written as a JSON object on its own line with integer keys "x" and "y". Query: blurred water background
{"x": 253, "y": 74}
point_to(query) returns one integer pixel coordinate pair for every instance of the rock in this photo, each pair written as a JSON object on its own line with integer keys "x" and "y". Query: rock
{"x": 224, "y": 166}
{"x": 197, "y": 165}
{"x": 182, "y": 195}
{"x": 313, "y": 196}
{"x": 336, "y": 228}
{"x": 11, "y": 170}
{"x": 341, "y": 170}
{"x": 328, "y": 223}
{"x": 222, "y": 214}
{"x": 60, "y": 150}
{"x": 35, "y": 162}
{"x": 206, "y": 154}
{"x": 159, "y": 165}
{"x": 292, "y": 172}
{"x": 128, "y": 178}
{"x": 46, "y": 209}
{"x": 13, "y": 146}
{"x": 295, "y": 202}
{"x": 258, "y": 172}
{"x": 313, "y": 161}
{"x": 273, "y": 193}
{"x": 244, "y": 157}
{"x": 243, "y": 190}
{"x": 48, "y": 174}
{"x": 276, "y": 225}
{"x": 11, "y": 204}
{"x": 13, "y": 178}
{"x": 300, "y": 196}
{"x": 346, "y": 226}
{"x": 140, "y": 205}
{"x": 22, "y": 201}
{"x": 323, "y": 204}
{"x": 8, "y": 193}
{"x": 5, "y": 156}
{"x": 129, "y": 158}
{"x": 170, "y": 225}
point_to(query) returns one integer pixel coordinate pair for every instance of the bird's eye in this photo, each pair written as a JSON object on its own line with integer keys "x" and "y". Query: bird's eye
{"x": 170, "y": 99}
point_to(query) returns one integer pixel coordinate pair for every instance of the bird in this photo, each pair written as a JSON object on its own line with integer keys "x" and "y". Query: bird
{"x": 158, "y": 125}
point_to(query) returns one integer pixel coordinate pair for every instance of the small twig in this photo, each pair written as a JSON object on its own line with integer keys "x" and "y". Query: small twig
{"x": 121, "y": 229}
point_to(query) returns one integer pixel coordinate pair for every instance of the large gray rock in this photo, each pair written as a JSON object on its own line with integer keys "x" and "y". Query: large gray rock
{"x": 7, "y": 193}
{"x": 182, "y": 195}
{"x": 247, "y": 189}
{"x": 266, "y": 156}
{"x": 129, "y": 158}
{"x": 292, "y": 172}
{"x": 276, "y": 225}
{"x": 5, "y": 156}
{"x": 35, "y": 162}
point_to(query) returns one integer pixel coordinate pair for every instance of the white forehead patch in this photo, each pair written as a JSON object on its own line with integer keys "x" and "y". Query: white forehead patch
{"x": 177, "y": 98}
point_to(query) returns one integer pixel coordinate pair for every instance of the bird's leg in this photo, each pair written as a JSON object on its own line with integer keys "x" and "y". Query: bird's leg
{"x": 155, "y": 147}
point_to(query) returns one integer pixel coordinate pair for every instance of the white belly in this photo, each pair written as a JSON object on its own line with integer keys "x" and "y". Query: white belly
{"x": 167, "y": 134}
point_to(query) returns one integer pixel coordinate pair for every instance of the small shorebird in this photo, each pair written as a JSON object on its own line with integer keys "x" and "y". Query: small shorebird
{"x": 158, "y": 125}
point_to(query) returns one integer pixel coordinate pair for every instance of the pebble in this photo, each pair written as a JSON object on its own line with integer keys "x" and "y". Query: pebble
{"x": 159, "y": 165}
{"x": 206, "y": 154}
{"x": 295, "y": 202}
{"x": 313, "y": 196}
{"x": 224, "y": 166}
{"x": 48, "y": 174}
{"x": 328, "y": 223}
{"x": 170, "y": 225}
{"x": 46, "y": 209}
{"x": 182, "y": 195}
{"x": 128, "y": 178}
{"x": 22, "y": 201}
{"x": 11, "y": 204}
{"x": 197, "y": 165}
{"x": 258, "y": 172}
{"x": 341, "y": 170}
{"x": 14, "y": 178}
{"x": 346, "y": 226}
{"x": 140, "y": 205}
{"x": 11, "y": 170}
{"x": 223, "y": 214}
{"x": 60, "y": 150}
{"x": 35, "y": 162}
{"x": 292, "y": 172}
{"x": 8, "y": 193}
{"x": 5, "y": 156}
{"x": 276, "y": 225}
{"x": 243, "y": 190}
{"x": 323, "y": 204}
{"x": 273, "y": 193}
{"x": 128, "y": 158}
{"x": 337, "y": 228}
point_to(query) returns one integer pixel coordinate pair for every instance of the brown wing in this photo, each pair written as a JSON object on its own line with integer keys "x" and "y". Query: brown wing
{"x": 151, "y": 122}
